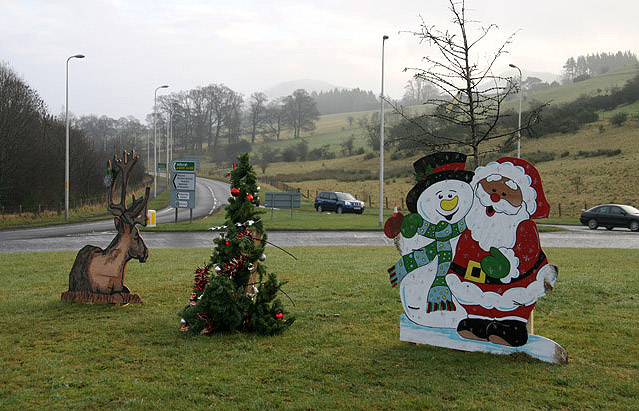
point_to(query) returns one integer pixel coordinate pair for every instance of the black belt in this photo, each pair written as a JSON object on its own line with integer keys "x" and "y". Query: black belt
{"x": 462, "y": 271}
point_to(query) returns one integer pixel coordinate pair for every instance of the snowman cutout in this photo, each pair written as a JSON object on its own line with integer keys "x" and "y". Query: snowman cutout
{"x": 427, "y": 238}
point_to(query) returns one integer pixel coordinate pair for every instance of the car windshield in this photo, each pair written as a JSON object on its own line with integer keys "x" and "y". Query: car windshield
{"x": 629, "y": 209}
{"x": 345, "y": 196}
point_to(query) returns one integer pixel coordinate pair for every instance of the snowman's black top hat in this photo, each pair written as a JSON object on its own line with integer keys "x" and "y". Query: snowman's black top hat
{"x": 434, "y": 168}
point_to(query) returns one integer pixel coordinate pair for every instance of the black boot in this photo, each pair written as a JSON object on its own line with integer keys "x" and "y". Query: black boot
{"x": 508, "y": 332}
{"x": 473, "y": 329}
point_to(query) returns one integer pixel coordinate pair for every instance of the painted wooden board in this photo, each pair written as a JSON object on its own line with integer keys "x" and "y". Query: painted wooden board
{"x": 471, "y": 268}
{"x": 538, "y": 347}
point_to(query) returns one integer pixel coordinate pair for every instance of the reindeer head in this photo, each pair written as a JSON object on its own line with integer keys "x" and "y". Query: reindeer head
{"x": 126, "y": 218}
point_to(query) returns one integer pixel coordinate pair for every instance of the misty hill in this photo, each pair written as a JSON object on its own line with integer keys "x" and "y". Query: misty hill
{"x": 288, "y": 87}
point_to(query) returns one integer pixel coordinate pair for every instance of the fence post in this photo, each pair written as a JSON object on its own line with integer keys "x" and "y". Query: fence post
{"x": 370, "y": 203}
{"x": 39, "y": 209}
{"x": 402, "y": 203}
{"x": 559, "y": 209}
{"x": 387, "y": 203}
{"x": 20, "y": 210}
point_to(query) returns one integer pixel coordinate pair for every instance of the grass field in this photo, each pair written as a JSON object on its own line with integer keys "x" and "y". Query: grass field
{"x": 343, "y": 352}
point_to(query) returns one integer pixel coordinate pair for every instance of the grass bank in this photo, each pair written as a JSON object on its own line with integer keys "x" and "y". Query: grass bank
{"x": 342, "y": 352}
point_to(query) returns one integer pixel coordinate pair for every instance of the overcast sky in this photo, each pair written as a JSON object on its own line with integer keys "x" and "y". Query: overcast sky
{"x": 133, "y": 46}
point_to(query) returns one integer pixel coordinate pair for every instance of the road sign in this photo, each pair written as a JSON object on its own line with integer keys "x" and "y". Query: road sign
{"x": 184, "y": 166}
{"x": 183, "y": 181}
{"x": 161, "y": 166}
{"x": 183, "y": 184}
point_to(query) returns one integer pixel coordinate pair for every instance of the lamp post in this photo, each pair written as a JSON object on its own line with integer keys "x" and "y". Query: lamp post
{"x": 155, "y": 141}
{"x": 66, "y": 150}
{"x": 381, "y": 144}
{"x": 519, "y": 124}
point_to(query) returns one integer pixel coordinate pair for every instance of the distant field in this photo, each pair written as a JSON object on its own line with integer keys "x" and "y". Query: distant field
{"x": 572, "y": 181}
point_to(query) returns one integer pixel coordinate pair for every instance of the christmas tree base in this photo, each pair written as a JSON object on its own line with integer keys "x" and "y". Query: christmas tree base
{"x": 89, "y": 297}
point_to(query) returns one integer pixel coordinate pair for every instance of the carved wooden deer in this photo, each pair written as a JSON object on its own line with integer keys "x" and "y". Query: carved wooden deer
{"x": 98, "y": 275}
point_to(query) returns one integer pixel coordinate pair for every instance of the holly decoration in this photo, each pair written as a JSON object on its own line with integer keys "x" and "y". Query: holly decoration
{"x": 234, "y": 292}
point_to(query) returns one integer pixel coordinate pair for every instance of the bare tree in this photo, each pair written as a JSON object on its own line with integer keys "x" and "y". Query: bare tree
{"x": 468, "y": 111}
{"x": 301, "y": 112}
{"x": 257, "y": 112}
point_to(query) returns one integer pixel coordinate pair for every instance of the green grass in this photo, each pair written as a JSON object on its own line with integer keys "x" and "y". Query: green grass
{"x": 565, "y": 93}
{"x": 342, "y": 352}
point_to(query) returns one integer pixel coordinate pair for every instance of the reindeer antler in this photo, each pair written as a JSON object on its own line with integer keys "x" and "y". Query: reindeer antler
{"x": 123, "y": 168}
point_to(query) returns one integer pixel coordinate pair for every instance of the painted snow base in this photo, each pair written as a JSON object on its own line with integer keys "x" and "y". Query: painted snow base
{"x": 538, "y": 347}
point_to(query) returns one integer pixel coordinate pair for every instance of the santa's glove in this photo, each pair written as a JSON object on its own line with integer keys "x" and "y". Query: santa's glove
{"x": 495, "y": 265}
{"x": 411, "y": 224}
{"x": 397, "y": 273}
{"x": 393, "y": 225}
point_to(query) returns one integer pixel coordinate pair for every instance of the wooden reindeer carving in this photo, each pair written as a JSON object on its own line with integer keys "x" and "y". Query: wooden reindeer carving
{"x": 97, "y": 275}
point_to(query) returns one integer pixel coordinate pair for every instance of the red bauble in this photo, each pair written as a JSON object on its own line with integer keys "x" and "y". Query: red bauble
{"x": 279, "y": 315}
{"x": 249, "y": 197}
{"x": 235, "y": 192}
{"x": 227, "y": 243}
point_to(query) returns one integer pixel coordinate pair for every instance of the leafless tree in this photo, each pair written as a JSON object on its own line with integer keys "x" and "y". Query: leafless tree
{"x": 257, "y": 112}
{"x": 468, "y": 111}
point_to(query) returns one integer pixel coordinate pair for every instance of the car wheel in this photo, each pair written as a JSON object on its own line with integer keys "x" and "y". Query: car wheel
{"x": 339, "y": 210}
{"x": 634, "y": 226}
{"x": 592, "y": 224}
{"x": 319, "y": 208}
{"x": 609, "y": 227}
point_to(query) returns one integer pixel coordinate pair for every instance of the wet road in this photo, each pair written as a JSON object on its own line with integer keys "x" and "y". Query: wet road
{"x": 210, "y": 194}
{"x": 570, "y": 237}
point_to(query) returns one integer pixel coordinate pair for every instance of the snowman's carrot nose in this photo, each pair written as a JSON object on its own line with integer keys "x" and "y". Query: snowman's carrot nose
{"x": 448, "y": 205}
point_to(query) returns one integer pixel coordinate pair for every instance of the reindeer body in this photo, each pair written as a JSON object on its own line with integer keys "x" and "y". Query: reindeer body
{"x": 97, "y": 273}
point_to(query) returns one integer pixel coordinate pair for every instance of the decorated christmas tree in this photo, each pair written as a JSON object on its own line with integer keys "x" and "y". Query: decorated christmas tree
{"x": 234, "y": 291}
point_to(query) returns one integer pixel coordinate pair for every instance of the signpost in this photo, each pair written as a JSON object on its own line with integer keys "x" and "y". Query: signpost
{"x": 282, "y": 200}
{"x": 183, "y": 186}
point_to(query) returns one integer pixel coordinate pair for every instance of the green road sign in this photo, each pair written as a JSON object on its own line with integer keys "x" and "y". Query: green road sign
{"x": 184, "y": 166}
{"x": 161, "y": 166}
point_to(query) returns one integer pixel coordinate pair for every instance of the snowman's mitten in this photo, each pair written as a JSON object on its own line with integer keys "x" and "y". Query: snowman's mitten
{"x": 411, "y": 224}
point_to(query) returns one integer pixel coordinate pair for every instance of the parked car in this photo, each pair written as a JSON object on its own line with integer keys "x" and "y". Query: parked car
{"x": 338, "y": 202}
{"x": 610, "y": 216}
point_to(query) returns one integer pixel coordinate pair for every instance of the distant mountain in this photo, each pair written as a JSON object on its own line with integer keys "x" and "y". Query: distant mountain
{"x": 288, "y": 87}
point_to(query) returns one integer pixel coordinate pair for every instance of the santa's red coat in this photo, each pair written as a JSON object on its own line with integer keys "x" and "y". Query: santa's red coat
{"x": 527, "y": 249}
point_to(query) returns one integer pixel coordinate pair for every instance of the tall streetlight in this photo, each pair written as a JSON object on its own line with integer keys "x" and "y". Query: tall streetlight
{"x": 519, "y": 126}
{"x": 66, "y": 150}
{"x": 155, "y": 141}
{"x": 381, "y": 144}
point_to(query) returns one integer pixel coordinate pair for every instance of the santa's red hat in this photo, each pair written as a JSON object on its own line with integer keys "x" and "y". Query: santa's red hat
{"x": 526, "y": 176}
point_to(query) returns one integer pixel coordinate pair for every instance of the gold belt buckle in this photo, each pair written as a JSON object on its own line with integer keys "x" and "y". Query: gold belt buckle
{"x": 475, "y": 273}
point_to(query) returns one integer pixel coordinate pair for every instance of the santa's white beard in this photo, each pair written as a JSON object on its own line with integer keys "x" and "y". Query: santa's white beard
{"x": 498, "y": 230}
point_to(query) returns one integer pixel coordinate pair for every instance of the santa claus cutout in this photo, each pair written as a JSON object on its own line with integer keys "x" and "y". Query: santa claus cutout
{"x": 496, "y": 269}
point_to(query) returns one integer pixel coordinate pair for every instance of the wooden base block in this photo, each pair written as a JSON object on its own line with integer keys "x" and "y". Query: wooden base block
{"x": 89, "y": 297}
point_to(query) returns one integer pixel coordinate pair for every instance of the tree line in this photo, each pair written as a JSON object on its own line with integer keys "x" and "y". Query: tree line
{"x": 32, "y": 151}
{"x": 584, "y": 67}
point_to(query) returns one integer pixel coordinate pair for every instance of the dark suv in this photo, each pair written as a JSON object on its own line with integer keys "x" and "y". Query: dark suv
{"x": 338, "y": 202}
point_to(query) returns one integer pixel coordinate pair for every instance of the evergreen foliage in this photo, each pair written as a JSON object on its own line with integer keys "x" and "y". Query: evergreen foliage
{"x": 234, "y": 292}
{"x": 344, "y": 101}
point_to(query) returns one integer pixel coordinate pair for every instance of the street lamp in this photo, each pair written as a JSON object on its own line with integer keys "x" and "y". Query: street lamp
{"x": 155, "y": 141}
{"x": 519, "y": 125}
{"x": 381, "y": 144}
{"x": 66, "y": 152}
